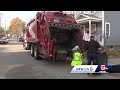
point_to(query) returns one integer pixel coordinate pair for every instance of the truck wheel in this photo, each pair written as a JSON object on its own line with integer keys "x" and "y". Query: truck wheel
{"x": 28, "y": 46}
{"x": 36, "y": 52}
{"x": 32, "y": 50}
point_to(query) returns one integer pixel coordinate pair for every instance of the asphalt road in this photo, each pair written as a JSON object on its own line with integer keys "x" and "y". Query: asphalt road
{"x": 17, "y": 63}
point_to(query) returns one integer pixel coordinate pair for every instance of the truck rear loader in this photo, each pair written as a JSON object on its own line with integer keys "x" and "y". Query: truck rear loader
{"x": 52, "y": 35}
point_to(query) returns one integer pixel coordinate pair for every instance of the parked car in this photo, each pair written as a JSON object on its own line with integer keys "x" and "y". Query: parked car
{"x": 3, "y": 41}
{"x": 6, "y": 38}
{"x": 11, "y": 39}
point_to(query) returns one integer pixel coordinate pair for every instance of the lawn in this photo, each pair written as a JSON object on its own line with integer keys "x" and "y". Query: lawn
{"x": 113, "y": 54}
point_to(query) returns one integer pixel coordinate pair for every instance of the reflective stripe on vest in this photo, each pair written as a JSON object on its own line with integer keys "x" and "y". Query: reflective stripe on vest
{"x": 77, "y": 56}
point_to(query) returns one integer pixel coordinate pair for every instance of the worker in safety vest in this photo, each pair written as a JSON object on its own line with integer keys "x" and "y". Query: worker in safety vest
{"x": 77, "y": 56}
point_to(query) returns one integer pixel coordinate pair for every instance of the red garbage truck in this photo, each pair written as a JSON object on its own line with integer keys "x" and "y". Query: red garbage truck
{"x": 51, "y": 35}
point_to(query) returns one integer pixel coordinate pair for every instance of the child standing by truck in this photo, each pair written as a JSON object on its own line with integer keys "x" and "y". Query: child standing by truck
{"x": 77, "y": 57}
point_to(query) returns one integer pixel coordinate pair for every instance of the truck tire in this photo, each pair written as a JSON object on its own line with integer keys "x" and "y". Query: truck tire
{"x": 36, "y": 52}
{"x": 28, "y": 46}
{"x": 32, "y": 50}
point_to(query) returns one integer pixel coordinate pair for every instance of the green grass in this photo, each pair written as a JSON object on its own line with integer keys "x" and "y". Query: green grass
{"x": 113, "y": 54}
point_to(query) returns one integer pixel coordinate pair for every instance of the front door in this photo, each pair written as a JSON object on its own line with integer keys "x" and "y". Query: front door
{"x": 82, "y": 29}
{"x": 97, "y": 32}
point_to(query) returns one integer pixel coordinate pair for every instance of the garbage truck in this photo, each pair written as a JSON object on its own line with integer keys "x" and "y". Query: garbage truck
{"x": 52, "y": 35}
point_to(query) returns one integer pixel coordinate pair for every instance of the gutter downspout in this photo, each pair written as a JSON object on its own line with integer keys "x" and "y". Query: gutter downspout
{"x": 103, "y": 31}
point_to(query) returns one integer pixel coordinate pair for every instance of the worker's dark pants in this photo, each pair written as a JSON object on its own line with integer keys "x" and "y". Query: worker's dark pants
{"x": 92, "y": 58}
{"x": 85, "y": 44}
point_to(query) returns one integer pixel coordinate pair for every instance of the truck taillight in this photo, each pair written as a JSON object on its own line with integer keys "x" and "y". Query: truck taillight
{"x": 50, "y": 20}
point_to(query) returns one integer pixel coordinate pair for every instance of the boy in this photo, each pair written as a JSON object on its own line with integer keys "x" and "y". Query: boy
{"x": 77, "y": 57}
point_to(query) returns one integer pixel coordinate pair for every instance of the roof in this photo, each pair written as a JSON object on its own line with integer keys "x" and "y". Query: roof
{"x": 83, "y": 17}
{"x": 91, "y": 15}
{"x": 87, "y": 16}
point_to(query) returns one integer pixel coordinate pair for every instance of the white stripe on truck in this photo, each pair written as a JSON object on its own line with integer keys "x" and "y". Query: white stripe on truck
{"x": 31, "y": 32}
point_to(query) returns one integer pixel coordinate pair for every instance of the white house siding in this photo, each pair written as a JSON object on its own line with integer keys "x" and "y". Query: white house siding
{"x": 97, "y": 13}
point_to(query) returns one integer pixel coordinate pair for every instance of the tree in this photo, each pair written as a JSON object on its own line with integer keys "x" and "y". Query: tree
{"x": 2, "y": 31}
{"x": 23, "y": 27}
{"x": 17, "y": 26}
{"x": 9, "y": 29}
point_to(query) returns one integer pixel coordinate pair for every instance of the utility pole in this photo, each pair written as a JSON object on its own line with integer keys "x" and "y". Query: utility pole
{"x": 0, "y": 18}
{"x": 74, "y": 14}
{"x": 5, "y": 27}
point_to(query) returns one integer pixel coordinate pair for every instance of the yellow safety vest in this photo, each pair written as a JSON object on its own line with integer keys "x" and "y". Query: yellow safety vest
{"x": 77, "y": 59}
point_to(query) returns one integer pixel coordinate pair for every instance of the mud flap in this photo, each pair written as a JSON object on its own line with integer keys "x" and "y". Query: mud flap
{"x": 61, "y": 55}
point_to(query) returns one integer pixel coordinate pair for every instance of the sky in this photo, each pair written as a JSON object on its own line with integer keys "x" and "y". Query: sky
{"x": 7, "y": 16}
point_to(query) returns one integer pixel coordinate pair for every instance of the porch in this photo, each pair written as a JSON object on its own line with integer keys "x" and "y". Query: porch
{"x": 92, "y": 24}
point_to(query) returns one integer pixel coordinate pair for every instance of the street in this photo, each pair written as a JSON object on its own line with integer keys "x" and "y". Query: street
{"x": 17, "y": 63}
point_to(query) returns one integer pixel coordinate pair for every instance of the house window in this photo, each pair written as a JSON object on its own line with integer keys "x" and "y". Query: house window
{"x": 93, "y": 12}
{"x": 79, "y": 12}
{"x": 93, "y": 28}
{"x": 82, "y": 11}
{"x": 107, "y": 29}
{"x": 82, "y": 28}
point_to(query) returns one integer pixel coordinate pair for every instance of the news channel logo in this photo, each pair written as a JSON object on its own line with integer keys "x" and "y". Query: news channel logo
{"x": 91, "y": 69}
{"x": 84, "y": 69}
{"x": 104, "y": 68}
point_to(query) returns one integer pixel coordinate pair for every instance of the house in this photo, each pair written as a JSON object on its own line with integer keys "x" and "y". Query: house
{"x": 104, "y": 25}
